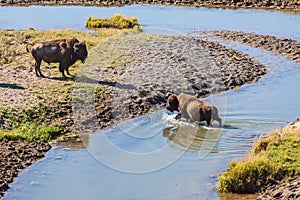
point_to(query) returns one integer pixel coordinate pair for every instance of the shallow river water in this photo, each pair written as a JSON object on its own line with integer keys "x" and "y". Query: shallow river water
{"x": 161, "y": 166}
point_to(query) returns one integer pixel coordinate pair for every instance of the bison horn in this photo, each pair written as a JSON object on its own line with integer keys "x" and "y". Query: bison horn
{"x": 168, "y": 94}
{"x": 76, "y": 46}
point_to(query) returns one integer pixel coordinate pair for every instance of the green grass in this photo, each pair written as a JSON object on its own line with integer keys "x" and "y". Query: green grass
{"x": 29, "y": 124}
{"x": 273, "y": 159}
{"x": 31, "y": 131}
{"x": 116, "y": 21}
{"x": 100, "y": 91}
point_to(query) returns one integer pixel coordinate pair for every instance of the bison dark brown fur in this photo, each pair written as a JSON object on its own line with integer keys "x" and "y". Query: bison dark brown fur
{"x": 192, "y": 108}
{"x": 64, "y": 51}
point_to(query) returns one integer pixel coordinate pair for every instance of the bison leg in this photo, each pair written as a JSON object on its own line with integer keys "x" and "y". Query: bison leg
{"x": 38, "y": 68}
{"x": 208, "y": 122}
{"x": 215, "y": 116}
{"x": 178, "y": 116}
{"x": 220, "y": 121}
{"x": 62, "y": 70}
{"x": 67, "y": 70}
{"x": 42, "y": 75}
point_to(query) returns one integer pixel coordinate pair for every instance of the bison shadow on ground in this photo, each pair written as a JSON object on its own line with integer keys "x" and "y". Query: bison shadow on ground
{"x": 84, "y": 79}
{"x": 88, "y": 80}
{"x": 11, "y": 86}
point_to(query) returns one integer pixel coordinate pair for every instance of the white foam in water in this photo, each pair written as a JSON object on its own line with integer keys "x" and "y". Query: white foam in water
{"x": 210, "y": 127}
{"x": 169, "y": 119}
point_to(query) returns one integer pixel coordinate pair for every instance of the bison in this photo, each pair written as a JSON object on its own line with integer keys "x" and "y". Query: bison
{"x": 192, "y": 108}
{"x": 64, "y": 51}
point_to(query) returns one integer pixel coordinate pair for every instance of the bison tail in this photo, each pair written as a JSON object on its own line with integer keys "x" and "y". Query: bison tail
{"x": 28, "y": 48}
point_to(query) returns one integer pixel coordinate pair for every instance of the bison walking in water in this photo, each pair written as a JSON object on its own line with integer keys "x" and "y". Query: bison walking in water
{"x": 192, "y": 108}
{"x": 64, "y": 51}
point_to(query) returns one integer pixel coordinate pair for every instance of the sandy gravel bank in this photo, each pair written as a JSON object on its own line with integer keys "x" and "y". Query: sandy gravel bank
{"x": 282, "y": 46}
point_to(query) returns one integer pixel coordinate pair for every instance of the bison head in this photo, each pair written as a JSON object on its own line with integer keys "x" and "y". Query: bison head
{"x": 172, "y": 103}
{"x": 80, "y": 51}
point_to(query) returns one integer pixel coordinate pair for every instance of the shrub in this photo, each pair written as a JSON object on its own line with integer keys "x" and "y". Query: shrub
{"x": 116, "y": 21}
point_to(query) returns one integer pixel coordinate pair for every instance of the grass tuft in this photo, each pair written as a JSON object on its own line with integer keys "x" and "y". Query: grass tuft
{"x": 273, "y": 159}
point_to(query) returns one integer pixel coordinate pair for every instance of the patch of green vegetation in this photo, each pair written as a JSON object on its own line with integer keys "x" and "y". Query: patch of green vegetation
{"x": 29, "y": 124}
{"x": 116, "y": 21}
{"x": 273, "y": 159}
{"x": 32, "y": 131}
{"x": 298, "y": 2}
{"x": 100, "y": 91}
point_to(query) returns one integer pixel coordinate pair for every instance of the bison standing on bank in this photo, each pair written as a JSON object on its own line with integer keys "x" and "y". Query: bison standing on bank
{"x": 64, "y": 51}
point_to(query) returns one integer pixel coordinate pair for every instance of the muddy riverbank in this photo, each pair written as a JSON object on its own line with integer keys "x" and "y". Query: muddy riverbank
{"x": 293, "y": 5}
{"x": 15, "y": 156}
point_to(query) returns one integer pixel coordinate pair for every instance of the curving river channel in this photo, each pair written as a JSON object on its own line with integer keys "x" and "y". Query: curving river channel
{"x": 248, "y": 113}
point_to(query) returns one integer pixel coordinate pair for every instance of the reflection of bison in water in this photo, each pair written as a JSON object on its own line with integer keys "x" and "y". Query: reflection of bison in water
{"x": 64, "y": 51}
{"x": 192, "y": 108}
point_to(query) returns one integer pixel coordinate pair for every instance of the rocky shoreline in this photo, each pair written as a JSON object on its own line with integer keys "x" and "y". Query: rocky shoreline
{"x": 282, "y": 46}
{"x": 15, "y": 156}
{"x": 265, "y": 4}
{"x": 288, "y": 190}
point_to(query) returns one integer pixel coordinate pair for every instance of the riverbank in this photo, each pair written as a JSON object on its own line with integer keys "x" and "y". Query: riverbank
{"x": 272, "y": 166}
{"x": 286, "y": 190}
{"x": 293, "y": 5}
{"x": 281, "y": 46}
{"x": 15, "y": 156}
